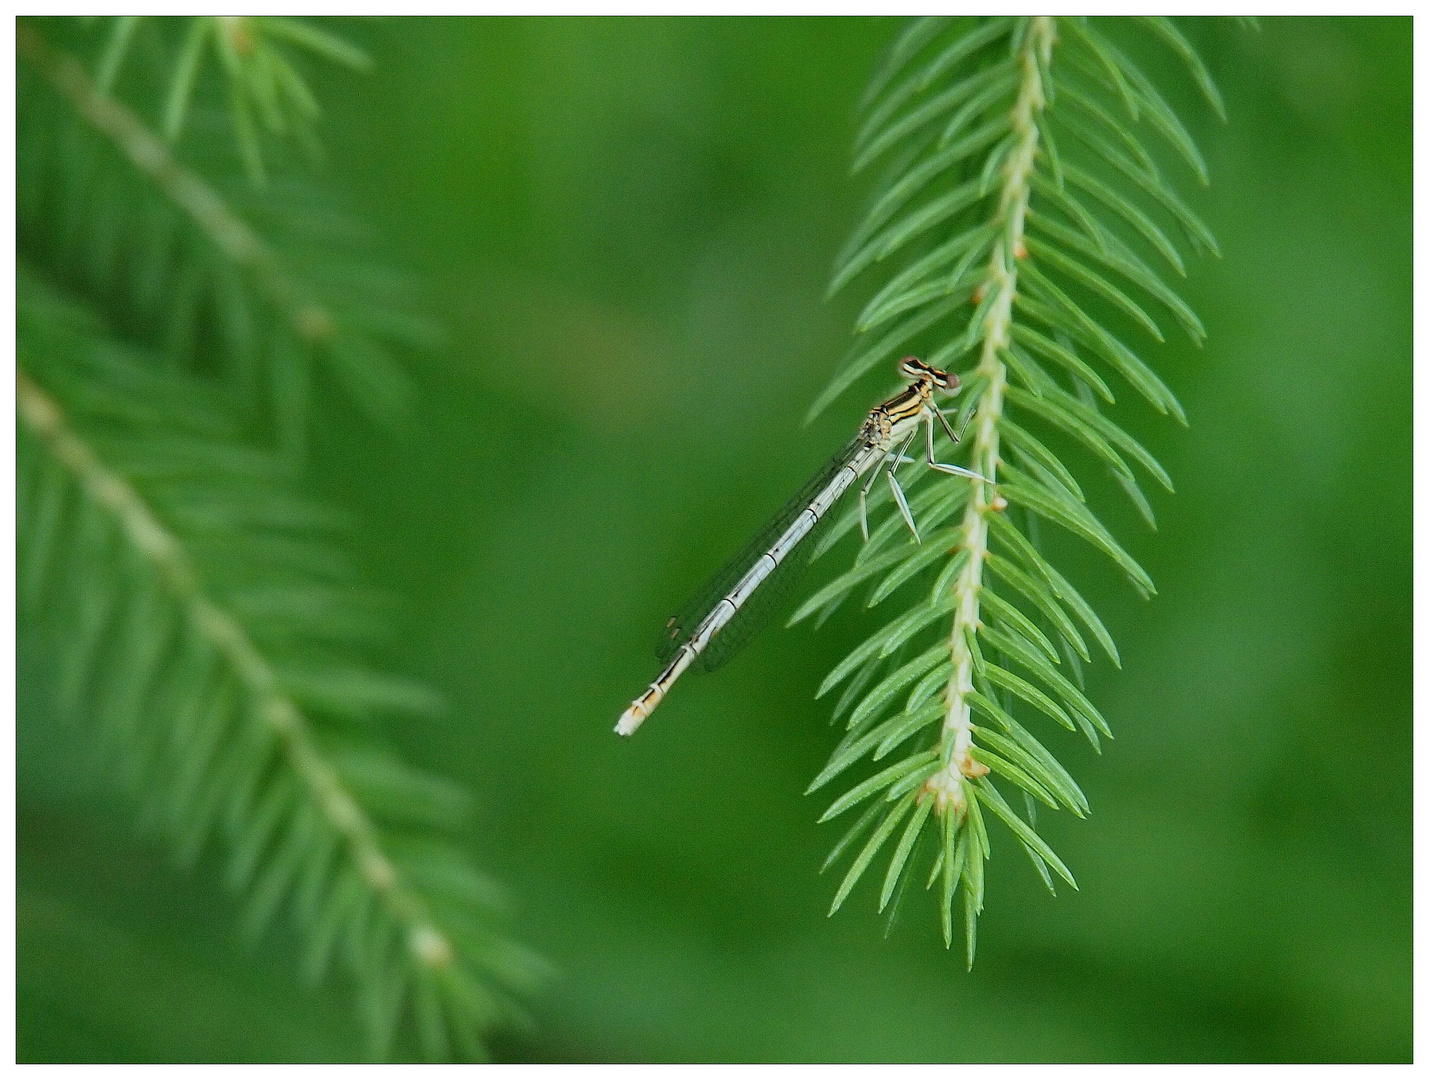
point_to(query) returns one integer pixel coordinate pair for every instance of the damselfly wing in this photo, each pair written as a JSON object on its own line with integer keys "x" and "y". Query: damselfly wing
{"x": 764, "y": 601}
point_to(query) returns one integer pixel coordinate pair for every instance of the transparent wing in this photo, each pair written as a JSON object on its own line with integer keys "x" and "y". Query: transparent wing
{"x": 755, "y": 612}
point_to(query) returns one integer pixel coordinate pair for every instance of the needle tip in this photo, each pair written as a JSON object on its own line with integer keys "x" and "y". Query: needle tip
{"x": 629, "y": 721}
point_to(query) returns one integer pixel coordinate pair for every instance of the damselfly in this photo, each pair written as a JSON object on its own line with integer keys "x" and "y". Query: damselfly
{"x": 723, "y": 616}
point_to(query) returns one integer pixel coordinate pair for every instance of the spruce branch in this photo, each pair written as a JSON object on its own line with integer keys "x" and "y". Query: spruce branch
{"x": 228, "y": 232}
{"x": 1022, "y": 210}
{"x": 228, "y": 640}
{"x": 269, "y": 288}
{"x": 189, "y": 603}
{"x": 206, "y": 673}
{"x": 251, "y": 52}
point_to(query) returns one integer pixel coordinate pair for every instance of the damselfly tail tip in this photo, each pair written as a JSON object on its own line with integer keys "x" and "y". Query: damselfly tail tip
{"x": 630, "y": 720}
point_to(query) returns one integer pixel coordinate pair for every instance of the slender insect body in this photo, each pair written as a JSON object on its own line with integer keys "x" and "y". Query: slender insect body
{"x": 884, "y": 437}
{"x": 752, "y": 580}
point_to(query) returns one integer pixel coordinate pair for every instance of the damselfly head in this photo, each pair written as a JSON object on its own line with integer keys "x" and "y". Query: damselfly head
{"x": 911, "y": 368}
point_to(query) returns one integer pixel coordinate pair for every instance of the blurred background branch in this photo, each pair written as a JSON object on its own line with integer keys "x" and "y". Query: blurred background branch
{"x": 146, "y": 152}
{"x": 191, "y": 604}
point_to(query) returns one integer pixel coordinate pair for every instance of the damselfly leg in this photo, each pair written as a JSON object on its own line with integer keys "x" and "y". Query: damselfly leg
{"x": 863, "y": 496}
{"x": 898, "y": 490}
{"x": 943, "y": 419}
{"x": 951, "y": 470}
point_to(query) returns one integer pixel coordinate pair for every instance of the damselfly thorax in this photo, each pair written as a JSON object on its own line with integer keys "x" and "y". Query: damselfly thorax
{"x": 898, "y": 416}
{"x": 725, "y": 614}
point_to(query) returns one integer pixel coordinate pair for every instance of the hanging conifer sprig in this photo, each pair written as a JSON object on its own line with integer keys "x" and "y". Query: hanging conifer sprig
{"x": 1023, "y": 206}
{"x": 186, "y": 599}
{"x": 265, "y": 287}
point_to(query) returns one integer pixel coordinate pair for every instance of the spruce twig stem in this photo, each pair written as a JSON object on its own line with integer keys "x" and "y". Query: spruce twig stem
{"x": 162, "y": 550}
{"x": 956, "y": 743}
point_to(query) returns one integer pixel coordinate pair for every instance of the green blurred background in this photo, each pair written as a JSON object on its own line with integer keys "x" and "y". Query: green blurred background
{"x": 626, "y": 226}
